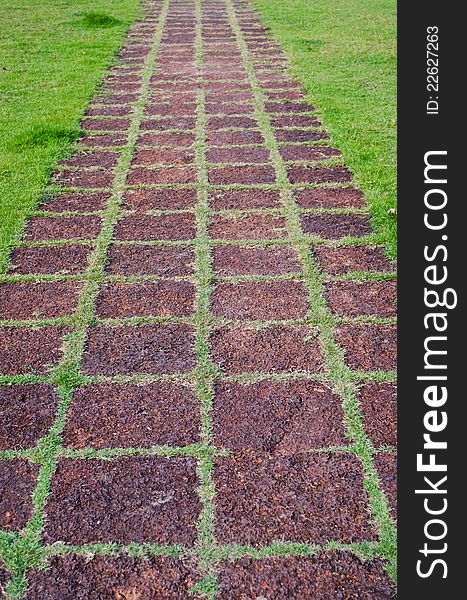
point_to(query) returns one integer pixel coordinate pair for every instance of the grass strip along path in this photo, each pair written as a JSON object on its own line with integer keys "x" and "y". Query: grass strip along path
{"x": 53, "y": 54}
{"x": 198, "y": 341}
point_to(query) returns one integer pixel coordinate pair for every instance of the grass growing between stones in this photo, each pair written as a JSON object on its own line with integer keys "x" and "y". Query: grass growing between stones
{"x": 344, "y": 53}
{"x": 53, "y": 56}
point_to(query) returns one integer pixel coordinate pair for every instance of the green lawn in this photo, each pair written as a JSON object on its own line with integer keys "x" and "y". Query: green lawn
{"x": 53, "y": 55}
{"x": 344, "y": 52}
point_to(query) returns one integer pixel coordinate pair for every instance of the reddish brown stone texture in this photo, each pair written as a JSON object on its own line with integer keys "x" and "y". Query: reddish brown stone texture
{"x": 117, "y": 98}
{"x": 156, "y": 299}
{"x": 336, "y": 226}
{"x": 103, "y": 160}
{"x": 238, "y": 260}
{"x": 67, "y": 259}
{"x": 238, "y": 155}
{"x": 158, "y": 349}
{"x": 295, "y": 121}
{"x": 378, "y": 402}
{"x": 176, "y": 140}
{"x": 138, "y": 416}
{"x": 369, "y": 347}
{"x": 319, "y": 174}
{"x": 105, "y": 124}
{"x": 312, "y": 498}
{"x": 239, "y": 138}
{"x": 244, "y": 199}
{"x": 17, "y": 482}
{"x": 128, "y": 499}
{"x": 182, "y": 109}
{"x": 168, "y": 261}
{"x": 161, "y": 227}
{"x": 182, "y": 123}
{"x": 330, "y": 198}
{"x": 300, "y": 135}
{"x": 332, "y": 574}
{"x": 29, "y": 350}
{"x": 275, "y": 349}
{"x": 161, "y": 199}
{"x": 163, "y": 157}
{"x": 288, "y": 107}
{"x": 266, "y": 300}
{"x": 140, "y": 176}
{"x": 338, "y": 261}
{"x": 108, "y": 110}
{"x": 370, "y": 298}
{"x": 62, "y": 228}
{"x": 43, "y": 300}
{"x": 281, "y": 418}
{"x": 291, "y": 153}
{"x": 26, "y": 414}
{"x": 119, "y": 578}
{"x": 215, "y": 123}
{"x": 81, "y": 202}
{"x": 242, "y": 174}
{"x": 252, "y": 227}
{"x": 226, "y": 108}
{"x": 386, "y": 465}
{"x": 104, "y": 140}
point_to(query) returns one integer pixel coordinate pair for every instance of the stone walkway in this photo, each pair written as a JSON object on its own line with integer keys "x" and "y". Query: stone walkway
{"x": 197, "y": 341}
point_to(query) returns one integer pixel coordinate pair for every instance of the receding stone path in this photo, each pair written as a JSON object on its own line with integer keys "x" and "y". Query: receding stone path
{"x": 197, "y": 341}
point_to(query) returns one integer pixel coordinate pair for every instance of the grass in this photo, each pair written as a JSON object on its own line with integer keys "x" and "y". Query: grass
{"x": 344, "y": 53}
{"x": 53, "y": 56}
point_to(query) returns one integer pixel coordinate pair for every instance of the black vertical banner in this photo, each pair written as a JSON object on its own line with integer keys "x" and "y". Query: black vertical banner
{"x": 432, "y": 268}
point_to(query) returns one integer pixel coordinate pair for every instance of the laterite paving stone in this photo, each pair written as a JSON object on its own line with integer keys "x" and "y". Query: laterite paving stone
{"x": 260, "y": 300}
{"x": 175, "y": 140}
{"x": 85, "y": 179}
{"x": 238, "y": 260}
{"x": 299, "y": 135}
{"x": 238, "y": 138}
{"x": 159, "y": 349}
{"x": 163, "y": 156}
{"x": 244, "y": 199}
{"x": 30, "y": 350}
{"x": 276, "y": 349}
{"x": 330, "y": 198}
{"x": 319, "y": 175}
{"x": 291, "y": 153}
{"x": 26, "y": 414}
{"x": 38, "y": 300}
{"x": 107, "y": 124}
{"x": 338, "y": 261}
{"x": 280, "y": 418}
{"x": 128, "y": 499}
{"x": 331, "y": 574}
{"x": 378, "y": 403}
{"x": 62, "y": 228}
{"x": 103, "y": 160}
{"x": 369, "y": 347}
{"x": 138, "y": 416}
{"x": 18, "y": 479}
{"x": 78, "y": 202}
{"x": 167, "y": 261}
{"x": 140, "y": 176}
{"x": 238, "y": 155}
{"x": 67, "y": 259}
{"x": 162, "y": 227}
{"x": 159, "y": 299}
{"x": 386, "y": 465}
{"x": 312, "y": 498}
{"x": 242, "y": 175}
{"x": 120, "y": 578}
{"x": 367, "y": 298}
{"x": 161, "y": 199}
{"x": 334, "y": 227}
{"x": 104, "y": 140}
{"x": 249, "y": 227}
